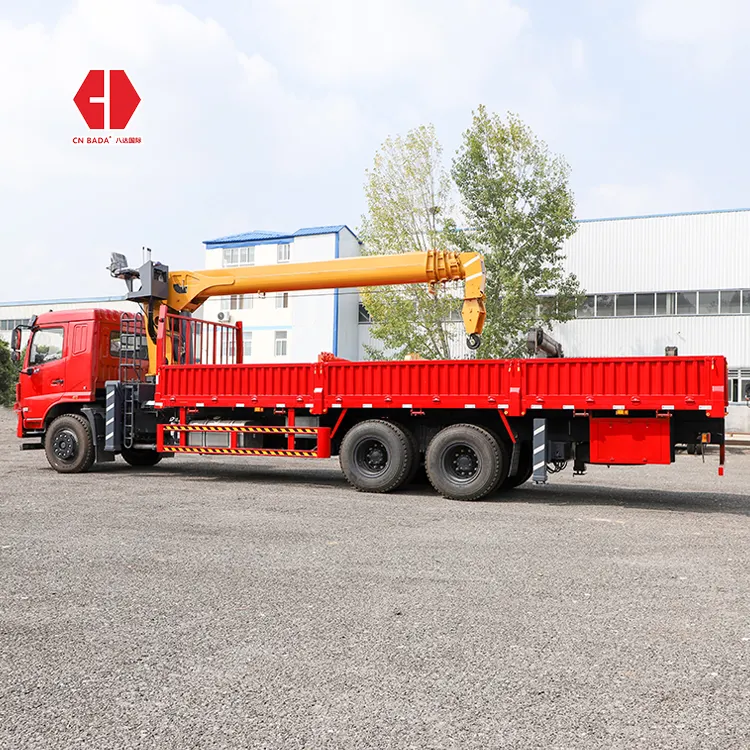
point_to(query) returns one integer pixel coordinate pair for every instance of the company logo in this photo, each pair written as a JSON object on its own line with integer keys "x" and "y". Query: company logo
{"x": 107, "y": 100}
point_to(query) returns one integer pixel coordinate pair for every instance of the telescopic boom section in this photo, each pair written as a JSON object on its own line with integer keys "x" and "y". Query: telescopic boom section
{"x": 188, "y": 290}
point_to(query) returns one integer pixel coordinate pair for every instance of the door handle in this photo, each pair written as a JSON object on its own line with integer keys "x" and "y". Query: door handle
{"x": 59, "y": 381}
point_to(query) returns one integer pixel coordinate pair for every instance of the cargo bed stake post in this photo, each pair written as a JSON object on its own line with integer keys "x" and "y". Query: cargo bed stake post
{"x": 540, "y": 452}
{"x": 290, "y": 423}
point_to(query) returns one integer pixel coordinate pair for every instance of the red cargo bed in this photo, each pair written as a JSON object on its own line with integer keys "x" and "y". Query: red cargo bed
{"x": 643, "y": 383}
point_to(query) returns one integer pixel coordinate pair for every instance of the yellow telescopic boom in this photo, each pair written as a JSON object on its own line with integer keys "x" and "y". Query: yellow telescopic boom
{"x": 186, "y": 291}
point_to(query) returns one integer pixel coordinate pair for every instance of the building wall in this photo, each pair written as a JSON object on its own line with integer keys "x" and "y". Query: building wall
{"x": 309, "y": 320}
{"x": 662, "y": 252}
{"x": 347, "y": 301}
{"x": 703, "y": 252}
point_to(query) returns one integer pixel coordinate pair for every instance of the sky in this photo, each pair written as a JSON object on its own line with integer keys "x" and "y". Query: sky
{"x": 265, "y": 114}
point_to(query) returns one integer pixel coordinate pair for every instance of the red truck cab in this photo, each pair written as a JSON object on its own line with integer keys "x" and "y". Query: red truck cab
{"x": 69, "y": 357}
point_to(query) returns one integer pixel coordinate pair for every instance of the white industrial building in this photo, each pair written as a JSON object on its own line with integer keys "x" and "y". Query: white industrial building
{"x": 678, "y": 280}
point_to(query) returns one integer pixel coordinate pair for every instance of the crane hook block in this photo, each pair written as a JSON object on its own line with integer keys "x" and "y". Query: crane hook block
{"x": 473, "y": 341}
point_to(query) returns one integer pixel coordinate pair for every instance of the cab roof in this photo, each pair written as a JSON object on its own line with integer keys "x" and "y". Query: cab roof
{"x": 70, "y": 316}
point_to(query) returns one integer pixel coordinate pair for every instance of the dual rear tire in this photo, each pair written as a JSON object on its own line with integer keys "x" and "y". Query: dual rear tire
{"x": 463, "y": 461}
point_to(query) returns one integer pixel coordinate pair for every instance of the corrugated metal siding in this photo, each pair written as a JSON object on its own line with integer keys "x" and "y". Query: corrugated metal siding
{"x": 697, "y": 335}
{"x": 670, "y": 253}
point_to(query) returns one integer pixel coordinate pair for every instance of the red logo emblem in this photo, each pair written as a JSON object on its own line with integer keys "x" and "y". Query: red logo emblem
{"x": 97, "y": 105}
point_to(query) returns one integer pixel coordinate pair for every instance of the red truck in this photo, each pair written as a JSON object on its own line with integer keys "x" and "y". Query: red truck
{"x": 90, "y": 389}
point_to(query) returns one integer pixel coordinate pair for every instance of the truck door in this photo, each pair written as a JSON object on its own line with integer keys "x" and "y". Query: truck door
{"x": 42, "y": 381}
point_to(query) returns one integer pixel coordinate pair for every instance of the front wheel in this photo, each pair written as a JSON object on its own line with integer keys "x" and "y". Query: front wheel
{"x": 69, "y": 444}
{"x": 140, "y": 457}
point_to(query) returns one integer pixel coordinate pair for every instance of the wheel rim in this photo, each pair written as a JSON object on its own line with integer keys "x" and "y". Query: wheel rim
{"x": 65, "y": 445}
{"x": 461, "y": 463}
{"x": 371, "y": 457}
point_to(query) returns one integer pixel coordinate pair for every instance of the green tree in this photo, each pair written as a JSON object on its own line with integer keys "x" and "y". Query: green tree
{"x": 519, "y": 209}
{"x": 8, "y": 376}
{"x": 408, "y": 204}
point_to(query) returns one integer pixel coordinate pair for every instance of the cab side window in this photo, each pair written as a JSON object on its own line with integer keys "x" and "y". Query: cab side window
{"x": 46, "y": 346}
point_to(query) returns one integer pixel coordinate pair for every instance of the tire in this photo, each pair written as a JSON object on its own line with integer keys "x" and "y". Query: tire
{"x": 69, "y": 444}
{"x": 140, "y": 457}
{"x": 692, "y": 448}
{"x": 465, "y": 462}
{"x": 525, "y": 470}
{"x": 376, "y": 456}
{"x": 417, "y": 461}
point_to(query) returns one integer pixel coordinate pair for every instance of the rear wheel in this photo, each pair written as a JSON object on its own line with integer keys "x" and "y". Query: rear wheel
{"x": 416, "y": 473}
{"x": 376, "y": 456}
{"x": 525, "y": 470}
{"x": 465, "y": 462}
{"x": 69, "y": 444}
{"x": 140, "y": 457}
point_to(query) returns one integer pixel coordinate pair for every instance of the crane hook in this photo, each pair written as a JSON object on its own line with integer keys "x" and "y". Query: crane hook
{"x": 473, "y": 341}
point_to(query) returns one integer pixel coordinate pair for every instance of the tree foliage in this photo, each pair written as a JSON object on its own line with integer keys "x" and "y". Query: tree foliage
{"x": 408, "y": 204}
{"x": 519, "y": 210}
{"x": 8, "y": 376}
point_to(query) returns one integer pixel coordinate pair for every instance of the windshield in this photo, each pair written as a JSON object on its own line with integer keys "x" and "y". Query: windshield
{"x": 46, "y": 346}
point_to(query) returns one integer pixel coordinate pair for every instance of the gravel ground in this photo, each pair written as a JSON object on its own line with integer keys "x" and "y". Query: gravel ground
{"x": 229, "y": 603}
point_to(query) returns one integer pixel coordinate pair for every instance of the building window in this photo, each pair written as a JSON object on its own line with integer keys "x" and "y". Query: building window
{"x": 605, "y": 305}
{"x": 282, "y": 300}
{"x": 746, "y": 302}
{"x": 645, "y": 304}
{"x": 237, "y": 302}
{"x": 739, "y": 385}
{"x": 587, "y": 308}
{"x": 279, "y": 344}
{"x": 665, "y": 303}
{"x": 708, "y": 303}
{"x": 363, "y": 315}
{"x": 283, "y": 253}
{"x": 247, "y": 345}
{"x": 547, "y": 307}
{"x": 11, "y": 323}
{"x": 686, "y": 303}
{"x": 625, "y": 305}
{"x": 238, "y": 256}
{"x": 730, "y": 302}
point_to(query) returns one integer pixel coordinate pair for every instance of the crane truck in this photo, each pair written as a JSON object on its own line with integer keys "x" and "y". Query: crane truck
{"x": 95, "y": 384}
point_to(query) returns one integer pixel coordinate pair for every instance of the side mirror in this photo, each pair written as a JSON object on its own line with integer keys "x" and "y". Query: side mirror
{"x": 15, "y": 356}
{"x": 15, "y": 339}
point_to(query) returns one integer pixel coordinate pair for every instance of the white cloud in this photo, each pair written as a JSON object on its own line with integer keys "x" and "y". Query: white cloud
{"x": 370, "y": 42}
{"x": 222, "y": 135}
{"x": 265, "y": 117}
{"x": 711, "y": 31}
